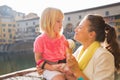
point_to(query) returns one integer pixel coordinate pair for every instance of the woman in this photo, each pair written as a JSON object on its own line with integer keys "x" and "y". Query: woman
{"x": 92, "y": 61}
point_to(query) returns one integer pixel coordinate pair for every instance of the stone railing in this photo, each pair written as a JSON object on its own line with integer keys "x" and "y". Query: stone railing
{"x": 27, "y": 74}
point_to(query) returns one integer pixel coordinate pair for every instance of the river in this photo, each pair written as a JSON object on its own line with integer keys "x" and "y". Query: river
{"x": 15, "y": 61}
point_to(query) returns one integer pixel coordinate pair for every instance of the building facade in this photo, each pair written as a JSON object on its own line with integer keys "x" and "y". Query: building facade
{"x": 25, "y": 29}
{"x": 8, "y": 24}
{"x": 16, "y": 26}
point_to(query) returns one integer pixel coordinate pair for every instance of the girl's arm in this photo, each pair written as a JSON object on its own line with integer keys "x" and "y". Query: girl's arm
{"x": 40, "y": 63}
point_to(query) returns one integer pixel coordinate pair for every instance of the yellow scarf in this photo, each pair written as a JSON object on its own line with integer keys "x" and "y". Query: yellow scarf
{"x": 85, "y": 56}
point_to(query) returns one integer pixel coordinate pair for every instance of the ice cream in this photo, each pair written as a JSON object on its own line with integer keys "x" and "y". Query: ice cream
{"x": 71, "y": 44}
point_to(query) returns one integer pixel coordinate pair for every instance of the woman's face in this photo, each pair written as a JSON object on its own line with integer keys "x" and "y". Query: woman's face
{"x": 81, "y": 31}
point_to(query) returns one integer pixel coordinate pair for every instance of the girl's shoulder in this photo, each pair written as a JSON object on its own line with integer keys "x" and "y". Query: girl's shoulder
{"x": 40, "y": 37}
{"x": 63, "y": 37}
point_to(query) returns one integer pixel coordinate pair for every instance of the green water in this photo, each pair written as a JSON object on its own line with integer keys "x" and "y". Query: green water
{"x": 10, "y": 62}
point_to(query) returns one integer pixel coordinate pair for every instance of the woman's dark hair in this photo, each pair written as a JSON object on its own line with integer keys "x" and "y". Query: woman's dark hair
{"x": 97, "y": 25}
{"x": 113, "y": 46}
{"x": 103, "y": 31}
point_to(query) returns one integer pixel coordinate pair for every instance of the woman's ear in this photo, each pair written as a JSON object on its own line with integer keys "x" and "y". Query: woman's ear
{"x": 92, "y": 35}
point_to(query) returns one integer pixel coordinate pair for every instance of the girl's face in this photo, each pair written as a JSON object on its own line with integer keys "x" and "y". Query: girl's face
{"x": 58, "y": 26}
{"x": 81, "y": 31}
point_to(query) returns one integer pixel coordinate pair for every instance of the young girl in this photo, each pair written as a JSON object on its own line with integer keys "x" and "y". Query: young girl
{"x": 49, "y": 47}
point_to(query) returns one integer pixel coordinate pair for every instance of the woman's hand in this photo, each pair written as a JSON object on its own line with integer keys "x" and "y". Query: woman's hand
{"x": 72, "y": 63}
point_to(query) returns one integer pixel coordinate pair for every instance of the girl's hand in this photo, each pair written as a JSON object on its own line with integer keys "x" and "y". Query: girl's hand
{"x": 39, "y": 70}
{"x": 58, "y": 67}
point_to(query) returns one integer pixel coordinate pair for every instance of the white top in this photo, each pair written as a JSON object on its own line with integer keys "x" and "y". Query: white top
{"x": 101, "y": 66}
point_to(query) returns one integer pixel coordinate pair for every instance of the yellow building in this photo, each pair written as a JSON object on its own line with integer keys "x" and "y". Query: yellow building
{"x": 7, "y": 30}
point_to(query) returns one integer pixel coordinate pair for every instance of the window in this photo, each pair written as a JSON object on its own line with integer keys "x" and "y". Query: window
{"x": 13, "y": 25}
{"x": 107, "y": 13}
{"x": 9, "y": 30}
{"x": 9, "y": 25}
{"x": 117, "y": 23}
{"x": 3, "y": 25}
{"x": 26, "y": 23}
{"x": 33, "y": 23}
{"x": 18, "y": 14}
{"x": 68, "y": 18}
{"x": 80, "y": 17}
{"x": 112, "y": 23}
{"x": 10, "y": 36}
{"x": 4, "y": 35}
{"x": 118, "y": 29}
{"x": 117, "y": 17}
{"x": 17, "y": 24}
{"x": 3, "y": 30}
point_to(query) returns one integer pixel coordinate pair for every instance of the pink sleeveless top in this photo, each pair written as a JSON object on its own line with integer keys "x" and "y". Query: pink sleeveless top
{"x": 50, "y": 49}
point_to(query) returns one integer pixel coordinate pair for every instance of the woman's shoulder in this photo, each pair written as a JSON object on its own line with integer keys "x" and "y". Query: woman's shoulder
{"x": 102, "y": 52}
{"x": 77, "y": 51}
